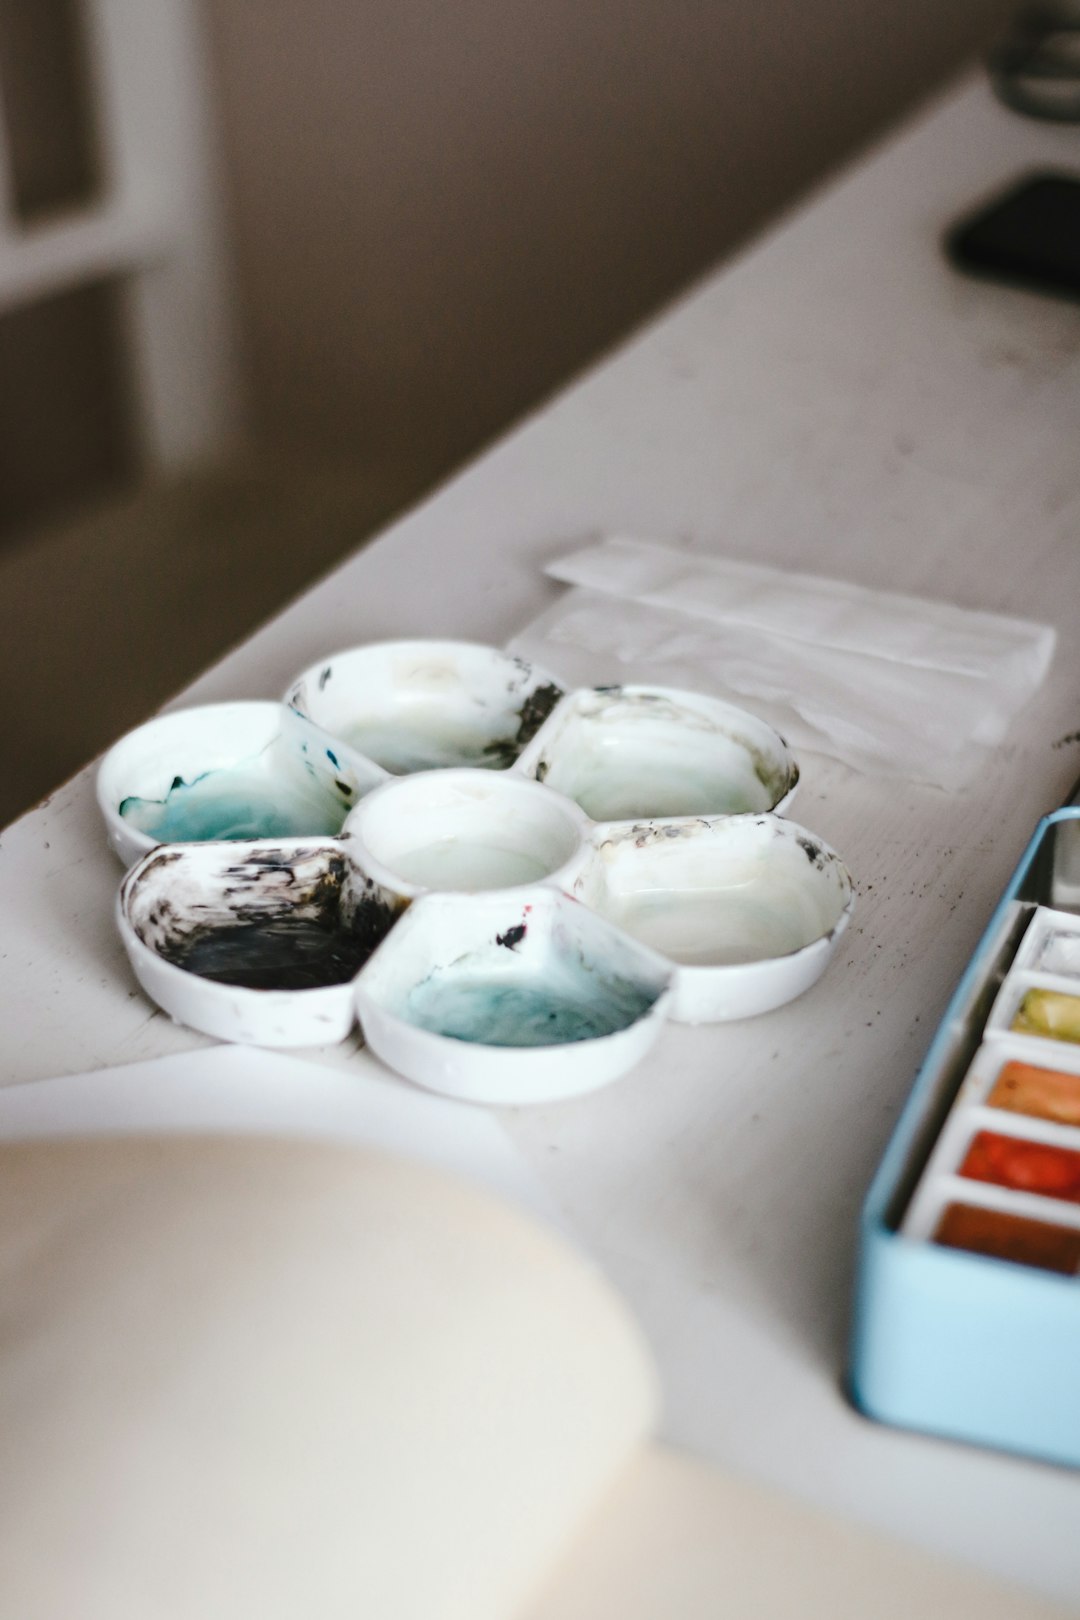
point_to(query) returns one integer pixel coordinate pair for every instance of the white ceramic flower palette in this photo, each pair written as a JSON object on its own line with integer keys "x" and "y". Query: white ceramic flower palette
{"x": 699, "y": 903}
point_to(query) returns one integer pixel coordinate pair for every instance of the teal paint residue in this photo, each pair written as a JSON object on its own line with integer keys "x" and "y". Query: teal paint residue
{"x": 242, "y": 801}
{"x": 553, "y": 1011}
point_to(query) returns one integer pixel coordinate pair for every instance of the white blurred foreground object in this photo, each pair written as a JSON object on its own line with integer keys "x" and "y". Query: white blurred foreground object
{"x": 265, "y": 1379}
{"x": 891, "y": 685}
{"x": 239, "y": 1091}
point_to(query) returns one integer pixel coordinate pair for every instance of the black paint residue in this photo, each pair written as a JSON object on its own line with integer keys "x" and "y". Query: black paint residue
{"x": 273, "y": 953}
{"x": 269, "y": 871}
{"x": 512, "y": 938}
{"x": 164, "y": 857}
{"x": 534, "y": 711}
{"x": 373, "y": 919}
{"x": 293, "y": 925}
{"x": 324, "y": 676}
{"x": 531, "y": 716}
{"x": 812, "y": 851}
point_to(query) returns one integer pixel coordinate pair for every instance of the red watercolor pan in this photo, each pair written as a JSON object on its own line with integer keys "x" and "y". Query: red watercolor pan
{"x": 1034, "y": 1167}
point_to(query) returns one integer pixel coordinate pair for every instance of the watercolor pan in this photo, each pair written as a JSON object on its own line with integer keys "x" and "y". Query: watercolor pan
{"x": 1039, "y": 1007}
{"x": 741, "y": 909}
{"x": 967, "y": 1304}
{"x": 1031, "y": 1088}
{"x": 1051, "y": 944}
{"x": 999, "y": 1235}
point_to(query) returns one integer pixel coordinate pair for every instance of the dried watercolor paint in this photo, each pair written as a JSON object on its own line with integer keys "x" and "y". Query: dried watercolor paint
{"x": 1002, "y": 1236}
{"x": 1035, "y": 1167}
{"x": 238, "y": 802}
{"x": 569, "y": 1002}
{"x": 1051, "y": 1013}
{"x": 1024, "y": 1088}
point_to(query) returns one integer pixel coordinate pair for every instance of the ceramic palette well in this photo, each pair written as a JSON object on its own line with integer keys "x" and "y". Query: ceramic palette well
{"x": 424, "y": 705}
{"x": 227, "y": 770}
{"x": 511, "y": 997}
{"x": 747, "y": 909}
{"x": 465, "y": 830}
{"x": 634, "y": 753}
{"x": 504, "y": 824}
{"x": 253, "y": 942}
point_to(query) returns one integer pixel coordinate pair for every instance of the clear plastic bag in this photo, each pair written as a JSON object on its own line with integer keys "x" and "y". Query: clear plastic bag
{"x": 892, "y": 685}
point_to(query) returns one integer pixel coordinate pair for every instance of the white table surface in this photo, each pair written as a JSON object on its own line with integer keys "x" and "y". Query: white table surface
{"x": 836, "y": 400}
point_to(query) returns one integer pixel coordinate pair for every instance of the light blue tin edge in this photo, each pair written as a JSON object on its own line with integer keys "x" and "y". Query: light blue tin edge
{"x": 941, "y": 1340}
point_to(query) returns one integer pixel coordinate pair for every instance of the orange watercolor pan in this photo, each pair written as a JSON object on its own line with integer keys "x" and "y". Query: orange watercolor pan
{"x": 1027, "y": 1088}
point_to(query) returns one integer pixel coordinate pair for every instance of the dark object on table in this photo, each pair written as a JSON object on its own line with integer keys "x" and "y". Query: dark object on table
{"x": 1028, "y": 236}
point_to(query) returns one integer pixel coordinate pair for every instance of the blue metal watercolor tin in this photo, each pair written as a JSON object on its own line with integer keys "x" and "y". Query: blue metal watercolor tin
{"x": 959, "y": 1343}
